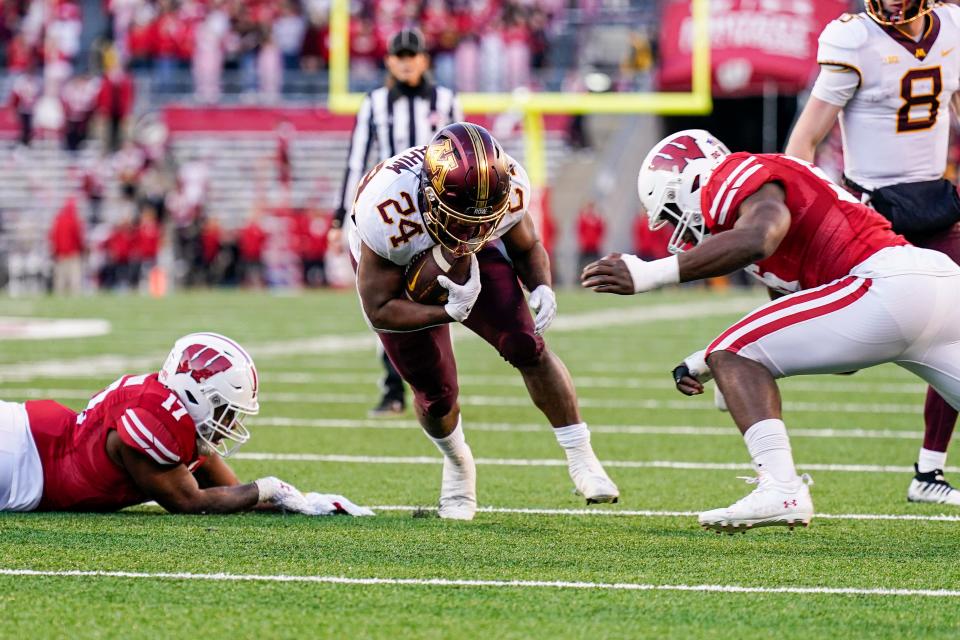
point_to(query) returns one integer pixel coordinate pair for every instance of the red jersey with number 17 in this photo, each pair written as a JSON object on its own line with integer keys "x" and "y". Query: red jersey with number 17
{"x": 77, "y": 472}
{"x": 830, "y": 232}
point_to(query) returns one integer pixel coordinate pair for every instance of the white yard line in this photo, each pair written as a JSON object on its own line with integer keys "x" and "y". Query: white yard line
{"x": 510, "y": 584}
{"x": 648, "y": 513}
{"x": 556, "y": 462}
{"x": 639, "y": 430}
{"x": 822, "y": 384}
{"x": 515, "y": 401}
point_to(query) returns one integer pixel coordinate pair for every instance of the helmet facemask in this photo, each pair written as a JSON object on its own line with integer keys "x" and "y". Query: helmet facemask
{"x": 223, "y": 431}
{"x": 460, "y": 233}
{"x": 911, "y": 11}
{"x": 689, "y": 225}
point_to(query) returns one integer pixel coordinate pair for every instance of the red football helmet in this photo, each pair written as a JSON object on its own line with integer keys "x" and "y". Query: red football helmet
{"x": 900, "y": 12}
{"x": 465, "y": 182}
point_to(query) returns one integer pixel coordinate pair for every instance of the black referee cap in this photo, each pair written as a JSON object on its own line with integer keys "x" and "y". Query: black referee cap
{"x": 407, "y": 41}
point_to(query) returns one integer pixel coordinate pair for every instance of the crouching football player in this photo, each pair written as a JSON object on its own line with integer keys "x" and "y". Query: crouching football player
{"x": 158, "y": 436}
{"x": 855, "y": 295}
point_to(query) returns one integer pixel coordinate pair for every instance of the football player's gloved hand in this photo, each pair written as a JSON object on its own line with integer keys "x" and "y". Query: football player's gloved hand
{"x": 328, "y": 504}
{"x": 692, "y": 373}
{"x": 286, "y": 497}
{"x": 626, "y": 274}
{"x": 462, "y": 297}
{"x": 543, "y": 301}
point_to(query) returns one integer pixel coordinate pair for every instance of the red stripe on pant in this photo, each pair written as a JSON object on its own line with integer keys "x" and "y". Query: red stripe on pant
{"x": 796, "y": 318}
{"x": 783, "y": 303}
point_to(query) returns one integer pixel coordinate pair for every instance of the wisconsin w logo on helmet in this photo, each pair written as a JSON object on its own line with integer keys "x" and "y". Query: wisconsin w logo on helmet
{"x": 202, "y": 362}
{"x": 676, "y": 154}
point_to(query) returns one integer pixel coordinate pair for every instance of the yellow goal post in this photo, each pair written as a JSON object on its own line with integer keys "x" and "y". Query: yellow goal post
{"x": 533, "y": 105}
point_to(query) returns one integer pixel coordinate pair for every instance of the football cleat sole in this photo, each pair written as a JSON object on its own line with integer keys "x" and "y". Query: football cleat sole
{"x": 603, "y": 500}
{"x": 731, "y": 528}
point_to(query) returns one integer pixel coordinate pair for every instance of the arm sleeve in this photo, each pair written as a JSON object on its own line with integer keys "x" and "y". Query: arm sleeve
{"x": 363, "y": 134}
{"x": 836, "y": 84}
{"x": 141, "y": 431}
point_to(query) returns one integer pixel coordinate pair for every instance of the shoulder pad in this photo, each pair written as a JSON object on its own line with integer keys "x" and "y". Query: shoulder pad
{"x": 849, "y": 31}
{"x": 948, "y": 11}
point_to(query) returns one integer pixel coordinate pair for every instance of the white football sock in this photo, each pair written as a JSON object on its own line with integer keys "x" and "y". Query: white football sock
{"x": 573, "y": 436}
{"x": 453, "y": 446}
{"x": 929, "y": 460}
{"x": 769, "y": 446}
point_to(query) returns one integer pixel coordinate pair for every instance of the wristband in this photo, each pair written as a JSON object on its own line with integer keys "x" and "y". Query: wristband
{"x": 653, "y": 274}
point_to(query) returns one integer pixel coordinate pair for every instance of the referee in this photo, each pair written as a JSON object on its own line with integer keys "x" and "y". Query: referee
{"x": 405, "y": 112}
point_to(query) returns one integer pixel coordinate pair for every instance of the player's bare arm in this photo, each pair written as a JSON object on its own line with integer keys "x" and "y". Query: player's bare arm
{"x": 530, "y": 259}
{"x": 381, "y": 285}
{"x": 176, "y": 490}
{"x": 762, "y": 223}
{"x": 215, "y": 472}
{"x": 813, "y": 125}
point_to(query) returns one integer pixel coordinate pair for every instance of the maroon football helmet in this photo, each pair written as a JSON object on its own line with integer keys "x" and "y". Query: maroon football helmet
{"x": 465, "y": 181}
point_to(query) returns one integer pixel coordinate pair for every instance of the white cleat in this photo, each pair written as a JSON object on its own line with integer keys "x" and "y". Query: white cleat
{"x": 932, "y": 488}
{"x": 589, "y": 477}
{"x": 771, "y": 504}
{"x": 458, "y": 493}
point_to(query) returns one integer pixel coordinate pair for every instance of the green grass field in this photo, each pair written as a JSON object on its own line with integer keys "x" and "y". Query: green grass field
{"x": 641, "y": 568}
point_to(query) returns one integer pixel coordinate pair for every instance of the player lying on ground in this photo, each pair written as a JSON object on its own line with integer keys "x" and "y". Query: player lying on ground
{"x": 155, "y": 436}
{"x": 889, "y": 74}
{"x": 464, "y": 193}
{"x": 857, "y": 295}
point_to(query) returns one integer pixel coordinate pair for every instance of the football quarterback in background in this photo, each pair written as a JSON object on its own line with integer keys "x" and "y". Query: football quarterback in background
{"x": 463, "y": 193}
{"x": 157, "y": 436}
{"x": 855, "y": 295}
{"x": 890, "y": 75}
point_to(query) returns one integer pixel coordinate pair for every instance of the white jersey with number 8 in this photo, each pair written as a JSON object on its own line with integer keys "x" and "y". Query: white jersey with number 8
{"x": 895, "y": 93}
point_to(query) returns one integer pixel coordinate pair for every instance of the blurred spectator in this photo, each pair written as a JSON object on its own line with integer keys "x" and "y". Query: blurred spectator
{"x": 208, "y": 49}
{"x": 269, "y": 68}
{"x": 288, "y": 32}
{"x": 129, "y": 164}
{"x": 590, "y": 231}
{"x": 79, "y": 98}
{"x": 61, "y": 44}
{"x": 146, "y": 245}
{"x": 116, "y": 272}
{"x": 170, "y": 46}
{"x": 66, "y": 248}
{"x": 210, "y": 239}
{"x": 313, "y": 247}
{"x": 282, "y": 156}
{"x": 24, "y": 95}
{"x": 93, "y": 185}
{"x": 647, "y": 244}
{"x": 251, "y": 242}
{"x": 115, "y": 101}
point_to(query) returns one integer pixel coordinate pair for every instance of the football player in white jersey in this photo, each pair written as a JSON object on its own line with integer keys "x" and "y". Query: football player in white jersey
{"x": 890, "y": 74}
{"x": 463, "y": 192}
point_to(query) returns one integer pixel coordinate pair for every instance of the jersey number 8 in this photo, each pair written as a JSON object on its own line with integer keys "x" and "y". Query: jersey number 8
{"x": 930, "y": 99}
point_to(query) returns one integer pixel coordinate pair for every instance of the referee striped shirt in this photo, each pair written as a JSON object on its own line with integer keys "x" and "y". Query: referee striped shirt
{"x": 392, "y": 120}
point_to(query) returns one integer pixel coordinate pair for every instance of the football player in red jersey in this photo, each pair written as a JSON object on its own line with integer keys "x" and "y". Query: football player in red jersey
{"x": 855, "y": 295}
{"x": 158, "y": 436}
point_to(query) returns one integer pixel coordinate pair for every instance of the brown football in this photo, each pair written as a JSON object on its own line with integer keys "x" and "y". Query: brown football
{"x": 422, "y": 272}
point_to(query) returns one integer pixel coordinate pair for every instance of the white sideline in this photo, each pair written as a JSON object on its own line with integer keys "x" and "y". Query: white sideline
{"x": 648, "y": 513}
{"x": 641, "y": 430}
{"x": 557, "y": 462}
{"x": 513, "y": 584}
{"x": 516, "y": 401}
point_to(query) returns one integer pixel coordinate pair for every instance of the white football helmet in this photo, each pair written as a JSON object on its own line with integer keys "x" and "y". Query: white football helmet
{"x": 216, "y": 381}
{"x": 670, "y": 181}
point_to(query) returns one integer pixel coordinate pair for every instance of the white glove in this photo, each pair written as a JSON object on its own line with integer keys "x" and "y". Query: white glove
{"x": 697, "y": 364}
{"x": 462, "y": 297}
{"x": 543, "y": 301}
{"x": 278, "y": 493}
{"x": 328, "y": 504}
{"x": 651, "y": 275}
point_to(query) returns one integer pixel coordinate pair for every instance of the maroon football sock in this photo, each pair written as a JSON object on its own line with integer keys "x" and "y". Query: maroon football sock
{"x": 940, "y": 419}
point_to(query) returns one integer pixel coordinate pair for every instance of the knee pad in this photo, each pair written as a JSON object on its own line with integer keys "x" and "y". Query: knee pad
{"x": 521, "y": 349}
